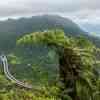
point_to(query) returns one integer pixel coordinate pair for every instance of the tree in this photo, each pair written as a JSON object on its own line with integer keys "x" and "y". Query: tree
{"x": 77, "y": 57}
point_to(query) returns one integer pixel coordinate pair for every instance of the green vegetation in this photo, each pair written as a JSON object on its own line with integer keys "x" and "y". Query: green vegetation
{"x": 77, "y": 64}
{"x": 60, "y": 65}
{"x": 11, "y": 30}
{"x": 9, "y": 90}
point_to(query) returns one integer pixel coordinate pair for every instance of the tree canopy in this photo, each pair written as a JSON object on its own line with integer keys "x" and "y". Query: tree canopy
{"x": 77, "y": 63}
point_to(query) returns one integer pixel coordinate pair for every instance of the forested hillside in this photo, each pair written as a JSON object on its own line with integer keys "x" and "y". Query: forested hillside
{"x": 11, "y": 29}
{"x": 77, "y": 63}
{"x": 38, "y": 50}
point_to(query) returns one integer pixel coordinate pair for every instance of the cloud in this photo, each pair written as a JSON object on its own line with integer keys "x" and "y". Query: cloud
{"x": 81, "y": 11}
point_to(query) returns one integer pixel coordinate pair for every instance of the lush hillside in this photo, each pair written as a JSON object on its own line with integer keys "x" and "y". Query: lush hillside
{"x": 36, "y": 65}
{"x": 11, "y": 29}
{"x": 36, "y": 23}
{"x": 47, "y": 68}
{"x": 77, "y": 63}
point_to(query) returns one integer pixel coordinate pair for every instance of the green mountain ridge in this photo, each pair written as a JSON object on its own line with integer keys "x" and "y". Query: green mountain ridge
{"x": 12, "y": 29}
{"x": 38, "y": 65}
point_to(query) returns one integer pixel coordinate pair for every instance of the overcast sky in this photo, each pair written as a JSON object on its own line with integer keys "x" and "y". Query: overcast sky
{"x": 81, "y": 11}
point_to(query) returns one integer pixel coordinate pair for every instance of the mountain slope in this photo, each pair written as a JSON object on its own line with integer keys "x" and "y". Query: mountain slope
{"x": 12, "y": 29}
{"x": 36, "y": 23}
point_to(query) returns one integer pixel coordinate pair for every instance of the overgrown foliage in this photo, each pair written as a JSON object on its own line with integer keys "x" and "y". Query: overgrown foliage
{"x": 79, "y": 77}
